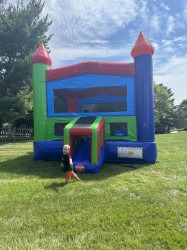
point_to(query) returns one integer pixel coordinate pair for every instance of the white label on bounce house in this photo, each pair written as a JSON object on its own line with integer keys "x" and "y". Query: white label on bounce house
{"x": 130, "y": 152}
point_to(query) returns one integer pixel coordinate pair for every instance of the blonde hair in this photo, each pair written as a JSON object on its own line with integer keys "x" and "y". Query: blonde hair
{"x": 66, "y": 146}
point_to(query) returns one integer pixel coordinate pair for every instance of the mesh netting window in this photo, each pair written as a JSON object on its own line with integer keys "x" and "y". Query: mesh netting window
{"x": 59, "y": 128}
{"x": 118, "y": 129}
{"x": 105, "y": 107}
{"x": 98, "y": 99}
{"x": 60, "y": 101}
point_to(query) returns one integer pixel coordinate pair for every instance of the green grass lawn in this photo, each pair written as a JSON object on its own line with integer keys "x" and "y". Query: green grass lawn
{"x": 125, "y": 206}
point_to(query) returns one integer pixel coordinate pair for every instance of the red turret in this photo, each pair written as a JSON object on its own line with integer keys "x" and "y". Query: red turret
{"x": 41, "y": 56}
{"x": 142, "y": 46}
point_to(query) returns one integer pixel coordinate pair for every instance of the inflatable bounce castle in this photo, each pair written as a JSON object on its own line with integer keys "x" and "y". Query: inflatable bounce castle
{"x": 103, "y": 110}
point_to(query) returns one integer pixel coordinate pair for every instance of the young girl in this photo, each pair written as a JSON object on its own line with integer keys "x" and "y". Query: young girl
{"x": 68, "y": 164}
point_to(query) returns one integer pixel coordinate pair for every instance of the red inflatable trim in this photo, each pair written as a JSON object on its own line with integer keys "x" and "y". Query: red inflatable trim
{"x": 90, "y": 67}
{"x": 142, "y": 46}
{"x": 41, "y": 56}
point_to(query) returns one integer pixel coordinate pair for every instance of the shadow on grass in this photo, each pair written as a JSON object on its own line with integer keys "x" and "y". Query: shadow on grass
{"x": 25, "y": 165}
{"x": 55, "y": 186}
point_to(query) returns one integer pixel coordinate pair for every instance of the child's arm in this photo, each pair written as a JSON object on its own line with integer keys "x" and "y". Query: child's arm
{"x": 70, "y": 162}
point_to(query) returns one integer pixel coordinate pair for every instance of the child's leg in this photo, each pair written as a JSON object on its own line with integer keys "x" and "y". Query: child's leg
{"x": 75, "y": 176}
{"x": 67, "y": 177}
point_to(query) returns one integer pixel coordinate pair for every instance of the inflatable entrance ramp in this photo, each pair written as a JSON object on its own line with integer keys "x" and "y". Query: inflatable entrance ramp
{"x": 86, "y": 137}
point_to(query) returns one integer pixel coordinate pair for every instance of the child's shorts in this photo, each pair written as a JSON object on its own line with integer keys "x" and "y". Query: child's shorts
{"x": 69, "y": 174}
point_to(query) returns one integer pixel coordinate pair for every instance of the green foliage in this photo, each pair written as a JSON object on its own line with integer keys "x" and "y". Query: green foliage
{"x": 22, "y": 29}
{"x": 181, "y": 115}
{"x": 125, "y": 206}
{"x": 163, "y": 108}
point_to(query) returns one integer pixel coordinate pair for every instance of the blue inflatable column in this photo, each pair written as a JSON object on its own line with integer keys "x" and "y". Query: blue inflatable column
{"x": 142, "y": 53}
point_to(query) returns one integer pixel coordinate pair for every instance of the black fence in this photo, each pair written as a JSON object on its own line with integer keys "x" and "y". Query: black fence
{"x": 16, "y": 134}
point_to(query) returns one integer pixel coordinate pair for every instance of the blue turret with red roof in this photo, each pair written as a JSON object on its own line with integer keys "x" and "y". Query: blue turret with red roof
{"x": 142, "y": 53}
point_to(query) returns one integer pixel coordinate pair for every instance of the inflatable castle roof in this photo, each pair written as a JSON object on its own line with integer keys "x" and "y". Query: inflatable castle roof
{"x": 142, "y": 46}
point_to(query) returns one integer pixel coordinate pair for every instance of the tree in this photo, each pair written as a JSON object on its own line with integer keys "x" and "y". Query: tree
{"x": 163, "y": 109}
{"x": 180, "y": 120}
{"x": 2, "y": 4}
{"x": 22, "y": 30}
